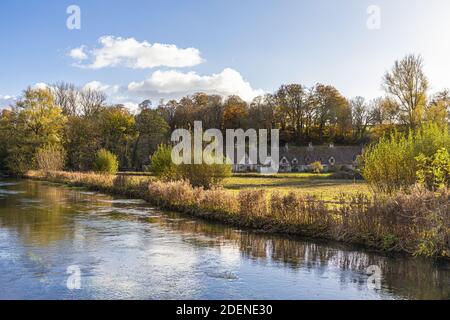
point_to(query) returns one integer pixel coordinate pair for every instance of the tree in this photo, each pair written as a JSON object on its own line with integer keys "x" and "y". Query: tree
{"x": 66, "y": 97}
{"x": 261, "y": 113}
{"x": 360, "y": 117}
{"x": 235, "y": 113}
{"x": 293, "y": 102}
{"x": 117, "y": 127}
{"x": 330, "y": 107}
{"x": 91, "y": 101}
{"x": 151, "y": 131}
{"x": 82, "y": 139}
{"x": 408, "y": 85}
{"x": 167, "y": 111}
{"x": 438, "y": 111}
{"x": 36, "y": 123}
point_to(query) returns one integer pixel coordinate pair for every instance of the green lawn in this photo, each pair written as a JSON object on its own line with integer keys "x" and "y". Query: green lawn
{"x": 320, "y": 185}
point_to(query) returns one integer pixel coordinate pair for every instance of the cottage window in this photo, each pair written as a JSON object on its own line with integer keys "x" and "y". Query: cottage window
{"x": 332, "y": 161}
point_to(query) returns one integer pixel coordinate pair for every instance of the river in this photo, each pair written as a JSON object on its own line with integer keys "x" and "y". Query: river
{"x": 58, "y": 242}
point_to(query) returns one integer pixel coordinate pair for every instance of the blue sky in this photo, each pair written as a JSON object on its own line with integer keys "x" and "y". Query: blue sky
{"x": 245, "y": 47}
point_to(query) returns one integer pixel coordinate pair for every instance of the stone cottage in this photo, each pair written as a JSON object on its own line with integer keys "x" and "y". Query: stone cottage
{"x": 299, "y": 159}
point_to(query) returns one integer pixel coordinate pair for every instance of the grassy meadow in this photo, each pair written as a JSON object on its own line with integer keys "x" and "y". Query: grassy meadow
{"x": 322, "y": 186}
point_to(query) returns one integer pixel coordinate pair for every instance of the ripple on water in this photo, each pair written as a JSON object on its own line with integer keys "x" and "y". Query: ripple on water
{"x": 7, "y": 184}
{"x": 124, "y": 201}
{"x": 10, "y": 192}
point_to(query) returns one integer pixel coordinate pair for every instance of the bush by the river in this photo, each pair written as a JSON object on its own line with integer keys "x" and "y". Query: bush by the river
{"x": 434, "y": 172}
{"x": 162, "y": 165}
{"x": 106, "y": 162}
{"x": 199, "y": 175}
{"x": 394, "y": 162}
{"x": 50, "y": 159}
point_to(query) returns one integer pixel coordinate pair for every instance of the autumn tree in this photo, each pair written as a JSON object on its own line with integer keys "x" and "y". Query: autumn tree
{"x": 91, "y": 101}
{"x": 67, "y": 98}
{"x": 36, "y": 123}
{"x": 293, "y": 102}
{"x": 407, "y": 84}
{"x": 360, "y": 117}
{"x": 235, "y": 113}
{"x": 438, "y": 110}
{"x": 261, "y": 113}
{"x": 330, "y": 107}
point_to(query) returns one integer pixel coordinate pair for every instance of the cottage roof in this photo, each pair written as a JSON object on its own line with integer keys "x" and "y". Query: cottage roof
{"x": 343, "y": 155}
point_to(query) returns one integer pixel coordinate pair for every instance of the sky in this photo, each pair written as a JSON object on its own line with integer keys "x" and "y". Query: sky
{"x": 135, "y": 50}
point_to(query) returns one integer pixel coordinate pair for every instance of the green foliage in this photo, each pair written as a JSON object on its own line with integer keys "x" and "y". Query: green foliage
{"x": 389, "y": 242}
{"x": 106, "y": 162}
{"x": 205, "y": 175}
{"x": 162, "y": 165}
{"x": 117, "y": 127}
{"x": 317, "y": 167}
{"x": 394, "y": 162}
{"x": 199, "y": 175}
{"x": 431, "y": 137}
{"x": 434, "y": 172}
{"x": 36, "y": 123}
{"x": 152, "y": 131}
{"x": 81, "y": 141}
{"x": 389, "y": 165}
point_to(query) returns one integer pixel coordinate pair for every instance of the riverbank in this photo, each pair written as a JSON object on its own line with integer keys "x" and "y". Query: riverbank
{"x": 417, "y": 223}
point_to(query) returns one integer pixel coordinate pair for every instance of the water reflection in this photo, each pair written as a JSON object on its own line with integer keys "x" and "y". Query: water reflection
{"x": 127, "y": 249}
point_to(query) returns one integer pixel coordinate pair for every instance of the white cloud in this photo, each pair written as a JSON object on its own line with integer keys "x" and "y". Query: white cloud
{"x": 97, "y": 86}
{"x": 176, "y": 84}
{"x": 6, "y": 101}
{"x": 40, "y": 85}
{"x": 117, "y": 51}
{"x": 78, "y": 53}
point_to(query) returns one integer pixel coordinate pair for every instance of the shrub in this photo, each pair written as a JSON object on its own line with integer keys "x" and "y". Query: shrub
{"x": 50, "y": 159}
{"x": 218, "y": 200}
{"x": 205, "y": 175}
{"x": 162, "y": 165}
{"x": 18, "y": 162}
{"x": 316, "y": 167}
{"x": 253, "y": 204}
{"x": 434, "y": 172}
{"x": 173, "y": 194}
{"x": 389, "y": 165}
{"x": 199, "y": 175}
{"x": 392, "y": 164}
{"x": 106, "y": 162}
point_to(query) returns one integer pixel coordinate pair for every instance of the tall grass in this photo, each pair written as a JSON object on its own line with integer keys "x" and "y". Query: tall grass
{"x": 417, "y": 222}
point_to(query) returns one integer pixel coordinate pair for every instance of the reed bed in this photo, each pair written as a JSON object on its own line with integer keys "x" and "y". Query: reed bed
{"x": 417, "y": 222}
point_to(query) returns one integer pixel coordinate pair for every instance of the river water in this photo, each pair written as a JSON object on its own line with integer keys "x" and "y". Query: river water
{"x": 58, "y": 242}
